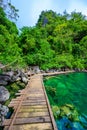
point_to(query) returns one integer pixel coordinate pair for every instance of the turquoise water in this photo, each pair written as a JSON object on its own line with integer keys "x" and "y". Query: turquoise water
{"x": 67, "y": 94}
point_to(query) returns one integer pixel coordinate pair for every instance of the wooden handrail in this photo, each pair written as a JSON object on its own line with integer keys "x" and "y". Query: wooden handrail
{"x": 5, "y": 66}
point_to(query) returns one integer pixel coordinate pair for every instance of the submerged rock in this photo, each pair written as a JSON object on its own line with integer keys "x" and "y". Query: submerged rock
{"x": 67, "y": 110}
{"x": 77, "y": 126}
{"x": 56, "y": 111}
{"x": 70, "y": 106}
{"x": 65, "y": 124}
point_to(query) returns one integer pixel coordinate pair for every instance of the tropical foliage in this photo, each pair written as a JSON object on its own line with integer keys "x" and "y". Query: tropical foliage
{"x": 56, "y": 41}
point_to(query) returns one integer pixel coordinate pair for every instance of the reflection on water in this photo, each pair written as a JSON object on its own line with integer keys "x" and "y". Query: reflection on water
{"x": 67, "y": 94}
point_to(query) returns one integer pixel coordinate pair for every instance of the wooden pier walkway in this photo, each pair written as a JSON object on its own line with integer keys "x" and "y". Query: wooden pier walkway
{"x": 31, "y": 108}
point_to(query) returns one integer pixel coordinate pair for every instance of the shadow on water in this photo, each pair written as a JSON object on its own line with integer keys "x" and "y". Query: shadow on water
{"x": 11, "y": 110}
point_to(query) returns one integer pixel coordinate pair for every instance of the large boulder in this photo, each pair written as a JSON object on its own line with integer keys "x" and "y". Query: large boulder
{"x": 4, "y": 94}
{"x": 4, "y": 79}
{"x": 4, "y": 83}
{"x": 12, "y": 76}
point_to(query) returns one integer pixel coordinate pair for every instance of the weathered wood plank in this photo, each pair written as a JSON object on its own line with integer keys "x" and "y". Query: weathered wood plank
{"x": 37, "y": 98}
{"x": 31, "y": 94}
{"x": 30, "y": 107}
{"x": 28, "y": 103}
{"x": 31, "y": 114}
{"x": 33, "y": 110}
{"x": 34, "y": 107}
{"x": 29, "y": 100}
{"x": 19, "y": 121}
{"x": 38, "y": 126}
{"x": 37, "y": 91}
{"x": 35, "y": 94}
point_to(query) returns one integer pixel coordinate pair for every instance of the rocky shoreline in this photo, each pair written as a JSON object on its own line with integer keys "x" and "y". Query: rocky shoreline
{"x": 9, "y": 81}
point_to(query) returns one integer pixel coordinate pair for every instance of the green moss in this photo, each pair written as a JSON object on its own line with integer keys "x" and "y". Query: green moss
{"x": 13, "y": 89}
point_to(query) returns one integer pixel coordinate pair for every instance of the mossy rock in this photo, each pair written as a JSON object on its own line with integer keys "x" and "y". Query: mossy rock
{"x": 69, "y": 111}
{"x": 75, "y": 115}
{"x": 56, "y": 111}
{"x": 66, "y": 110}
{"x": 13, "y": 89}
{"x": 71, "y": 107}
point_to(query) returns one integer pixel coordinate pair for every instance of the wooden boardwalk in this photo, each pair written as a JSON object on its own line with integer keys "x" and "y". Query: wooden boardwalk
{"x": 31, "y": 108}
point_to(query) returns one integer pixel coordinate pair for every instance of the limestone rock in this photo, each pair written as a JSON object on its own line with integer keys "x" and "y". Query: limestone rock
{"x": 4, "y": 94}
{"x": 25, "y": 80}
{"x": 4, "y": 79}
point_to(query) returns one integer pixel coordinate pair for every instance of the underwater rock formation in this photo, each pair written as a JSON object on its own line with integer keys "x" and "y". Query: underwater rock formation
{"x": 66, "y": 110}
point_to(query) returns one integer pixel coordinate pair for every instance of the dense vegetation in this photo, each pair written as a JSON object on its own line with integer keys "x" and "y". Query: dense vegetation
{"x": 9, "y": 49}
{"x": 57, "y": 41}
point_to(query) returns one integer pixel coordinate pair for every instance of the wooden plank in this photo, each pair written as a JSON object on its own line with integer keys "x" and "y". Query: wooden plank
{"x": 38, "y": 126}
{"x": 33, "y": 110}
{"x": 31, "y": 107}
{"x": 37, "y": 88}
{"x": 56, "y": 73}
{"x": 31, "y": 94}
{"x": 28, "y": 101}
{"x": 28, "y": 98}
{"x": 29, "y": 104}
{"x": 35, "y": 95}
{"x": 31, "y": 114}
{"x": 19, "y": 97}
{"x": 15, "y": 105}
{"x": 19, "y": 121}
{"x": 34, "y": 107}
{"x": 33, "y": 91}
{"x": 37, "y": 98}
